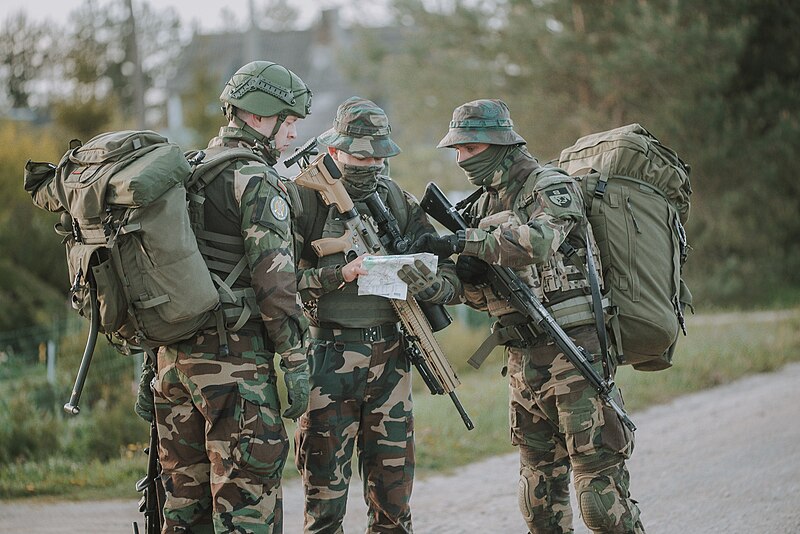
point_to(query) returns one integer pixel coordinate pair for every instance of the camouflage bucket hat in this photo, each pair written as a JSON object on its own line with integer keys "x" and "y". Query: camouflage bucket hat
{"x": 361, "y": 128}
{"x": 481, "y": 121}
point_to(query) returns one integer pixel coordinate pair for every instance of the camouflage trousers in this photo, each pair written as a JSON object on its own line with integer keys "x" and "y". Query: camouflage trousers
{"x": 561, "y": 426}
{"x": 222, "y": 443}
{"x": 360, "y": 397}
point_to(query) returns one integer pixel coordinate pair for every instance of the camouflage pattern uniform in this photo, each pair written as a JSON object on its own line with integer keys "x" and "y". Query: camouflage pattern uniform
{"x": 360, "y": 378}
{"x": 557, "y": 420}
{"x": 222, "y": 443}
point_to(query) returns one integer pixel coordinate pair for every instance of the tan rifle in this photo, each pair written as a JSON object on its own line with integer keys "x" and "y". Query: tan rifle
{"x": 360, "y": 236}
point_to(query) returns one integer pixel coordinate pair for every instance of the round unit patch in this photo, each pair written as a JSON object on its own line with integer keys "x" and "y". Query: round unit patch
{"x": 279, "y": 208}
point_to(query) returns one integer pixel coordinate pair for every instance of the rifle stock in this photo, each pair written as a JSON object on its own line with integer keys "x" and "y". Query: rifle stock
{"x": 423, "y": 349}
{"x": 506, "y": 284}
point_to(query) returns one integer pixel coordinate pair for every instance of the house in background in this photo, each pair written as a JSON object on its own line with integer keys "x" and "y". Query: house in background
{"x": 315, "y": 54}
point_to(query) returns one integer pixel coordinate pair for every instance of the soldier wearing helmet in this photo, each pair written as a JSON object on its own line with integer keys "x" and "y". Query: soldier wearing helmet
{"x": 360, "y": 377}
{"x": 223, "y": 444}
{"x": 521, "y": 218}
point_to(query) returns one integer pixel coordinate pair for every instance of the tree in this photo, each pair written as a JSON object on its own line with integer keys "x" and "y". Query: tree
{"x": 716, "y": 80}
{"x": 24, "y": 48}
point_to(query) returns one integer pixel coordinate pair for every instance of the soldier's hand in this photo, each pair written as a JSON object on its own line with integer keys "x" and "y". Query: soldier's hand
{"x": 442, "y": 246}
{"x": 471, "y": 270}
{"x": 424, "y": 284}
{"x": 297, "y": 387}
{"x": 354, "y": 269}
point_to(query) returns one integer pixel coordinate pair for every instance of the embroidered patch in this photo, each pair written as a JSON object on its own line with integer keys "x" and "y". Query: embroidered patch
{"x": 560, "y": 197}
{"x": 279, "y": 208}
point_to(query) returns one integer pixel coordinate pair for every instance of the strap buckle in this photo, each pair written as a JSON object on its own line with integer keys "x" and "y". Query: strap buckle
{"x": 371, "y": 334}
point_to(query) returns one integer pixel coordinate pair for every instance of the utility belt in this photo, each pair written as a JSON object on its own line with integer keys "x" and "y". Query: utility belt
{"x": 519, "y": 331}
{"x": 381, "y": 332}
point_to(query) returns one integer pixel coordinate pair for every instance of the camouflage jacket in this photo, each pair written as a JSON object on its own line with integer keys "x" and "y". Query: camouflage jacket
{"x": 248, "y": 200}
{"x": 521, "y": 224}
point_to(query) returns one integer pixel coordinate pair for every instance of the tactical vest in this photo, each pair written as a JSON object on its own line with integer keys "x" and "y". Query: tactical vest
{"x": 559, "y": 282}
{"x": 216, "y": 223}
{"x": 344, "y": 307}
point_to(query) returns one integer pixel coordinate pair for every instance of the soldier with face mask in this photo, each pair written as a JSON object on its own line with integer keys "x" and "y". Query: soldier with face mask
{"x": 222, "y": 442}
{"x": 524, "y": 213}
{"x": 360, "y": 377}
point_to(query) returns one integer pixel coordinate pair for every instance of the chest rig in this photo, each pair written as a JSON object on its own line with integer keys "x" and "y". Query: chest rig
{"x": 345, "y": 307}
{"x": 560, "y": 282}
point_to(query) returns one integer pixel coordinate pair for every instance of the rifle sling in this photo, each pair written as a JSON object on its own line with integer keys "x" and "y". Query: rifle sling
{"x": 517, "y": 330}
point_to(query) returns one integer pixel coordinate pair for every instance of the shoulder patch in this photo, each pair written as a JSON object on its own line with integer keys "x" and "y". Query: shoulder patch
{"x": 560, "y": 196}
{"x": 279, "y": 208}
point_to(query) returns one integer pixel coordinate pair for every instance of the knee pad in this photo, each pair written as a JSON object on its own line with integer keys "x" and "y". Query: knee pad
{"x": 594, "y": 510}
{"x": 606, "y": 506}
{"x": 527, "y": 482}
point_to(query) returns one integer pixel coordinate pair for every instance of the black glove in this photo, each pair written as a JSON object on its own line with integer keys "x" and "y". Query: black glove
{"x": 471, "y": 270}
{"x": 442, "y": 246}
{"x": 144, "y": 407}
{"x": 424, "y": 284}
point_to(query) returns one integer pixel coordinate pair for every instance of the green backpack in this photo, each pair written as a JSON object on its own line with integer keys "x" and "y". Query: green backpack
{"x": 128, "y": 233}
{"x": 637, "y": 200}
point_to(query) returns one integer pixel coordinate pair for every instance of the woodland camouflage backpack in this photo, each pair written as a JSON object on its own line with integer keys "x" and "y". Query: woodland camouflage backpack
{"x": 129, "y": 236}
{"x": 637, "y": 200}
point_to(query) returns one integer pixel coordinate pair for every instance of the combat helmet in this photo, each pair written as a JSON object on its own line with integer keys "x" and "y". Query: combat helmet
{"x": 361, "y": 128}
{"x": 265, "y": 88}
{"x": 481, "y": 121}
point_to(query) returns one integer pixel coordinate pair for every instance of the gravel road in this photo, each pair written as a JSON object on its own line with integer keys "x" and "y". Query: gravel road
{"x": 725, "y": 460}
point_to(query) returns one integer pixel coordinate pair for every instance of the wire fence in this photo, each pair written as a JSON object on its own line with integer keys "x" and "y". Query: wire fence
{"x": 43, "y": 361}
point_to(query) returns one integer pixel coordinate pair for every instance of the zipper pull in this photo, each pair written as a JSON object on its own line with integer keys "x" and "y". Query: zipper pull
{"x": 633, "y": 217}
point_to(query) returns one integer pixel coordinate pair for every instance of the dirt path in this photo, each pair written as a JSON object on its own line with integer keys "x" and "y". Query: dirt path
{"x": 725, "y": 460}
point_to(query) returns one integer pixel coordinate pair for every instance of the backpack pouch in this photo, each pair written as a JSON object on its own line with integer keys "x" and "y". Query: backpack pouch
{"x": 97, "y": 260}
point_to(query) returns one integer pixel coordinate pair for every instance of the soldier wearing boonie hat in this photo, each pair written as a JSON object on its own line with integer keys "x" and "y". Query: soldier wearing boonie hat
{"x": 360, "y": 377}
{"x": 524, "y": 213}
{"x": 481, "y": 121}
{"x": 361, "y": 128}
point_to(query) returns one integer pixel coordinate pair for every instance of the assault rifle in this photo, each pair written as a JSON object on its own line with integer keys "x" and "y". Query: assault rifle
{"x": 506, "y": 284}
{"x": 360, "y": 237}
{"x": 303, "y": 154}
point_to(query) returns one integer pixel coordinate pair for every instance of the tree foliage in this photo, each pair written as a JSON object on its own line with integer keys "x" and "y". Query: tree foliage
{"x": 716, "y": 80}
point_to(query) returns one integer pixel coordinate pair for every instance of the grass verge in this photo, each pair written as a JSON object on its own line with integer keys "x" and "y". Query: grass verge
{"x": 719, "y": 349}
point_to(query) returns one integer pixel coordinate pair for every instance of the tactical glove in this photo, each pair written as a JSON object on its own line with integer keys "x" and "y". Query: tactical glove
{"x": 144, "y": 407}
{"x": 424, "y": 284}
{"x": 296, "y": 380}
{"x": 471, "y": 270}
{"x": 442, "y": 246}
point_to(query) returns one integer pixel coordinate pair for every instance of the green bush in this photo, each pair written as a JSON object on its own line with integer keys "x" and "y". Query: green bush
{"x": 27, "y": 432}
{"x": 106, "y": 432}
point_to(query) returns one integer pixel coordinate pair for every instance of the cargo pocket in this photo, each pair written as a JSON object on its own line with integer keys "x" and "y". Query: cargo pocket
{"x": 581, "y": 432}
{"x": 315, "y": 448}
{"x": 262, "y": 445}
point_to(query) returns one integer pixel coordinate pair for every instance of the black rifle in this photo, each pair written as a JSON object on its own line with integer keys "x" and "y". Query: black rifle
{"x": 303, "y": 154}
{"x": 506, "y": 284}
{"x": 152, "y": 501}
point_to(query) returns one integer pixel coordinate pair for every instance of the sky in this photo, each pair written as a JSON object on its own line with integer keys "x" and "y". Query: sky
{"x": 205, "y": 13}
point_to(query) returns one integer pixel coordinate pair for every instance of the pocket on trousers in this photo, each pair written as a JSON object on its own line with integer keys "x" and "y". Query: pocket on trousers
{"x": 262, "y": 446}
{"x": 315, "y": 448}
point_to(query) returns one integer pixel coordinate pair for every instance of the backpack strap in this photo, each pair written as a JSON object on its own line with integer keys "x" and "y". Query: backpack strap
{"x": 204, "y": 172}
